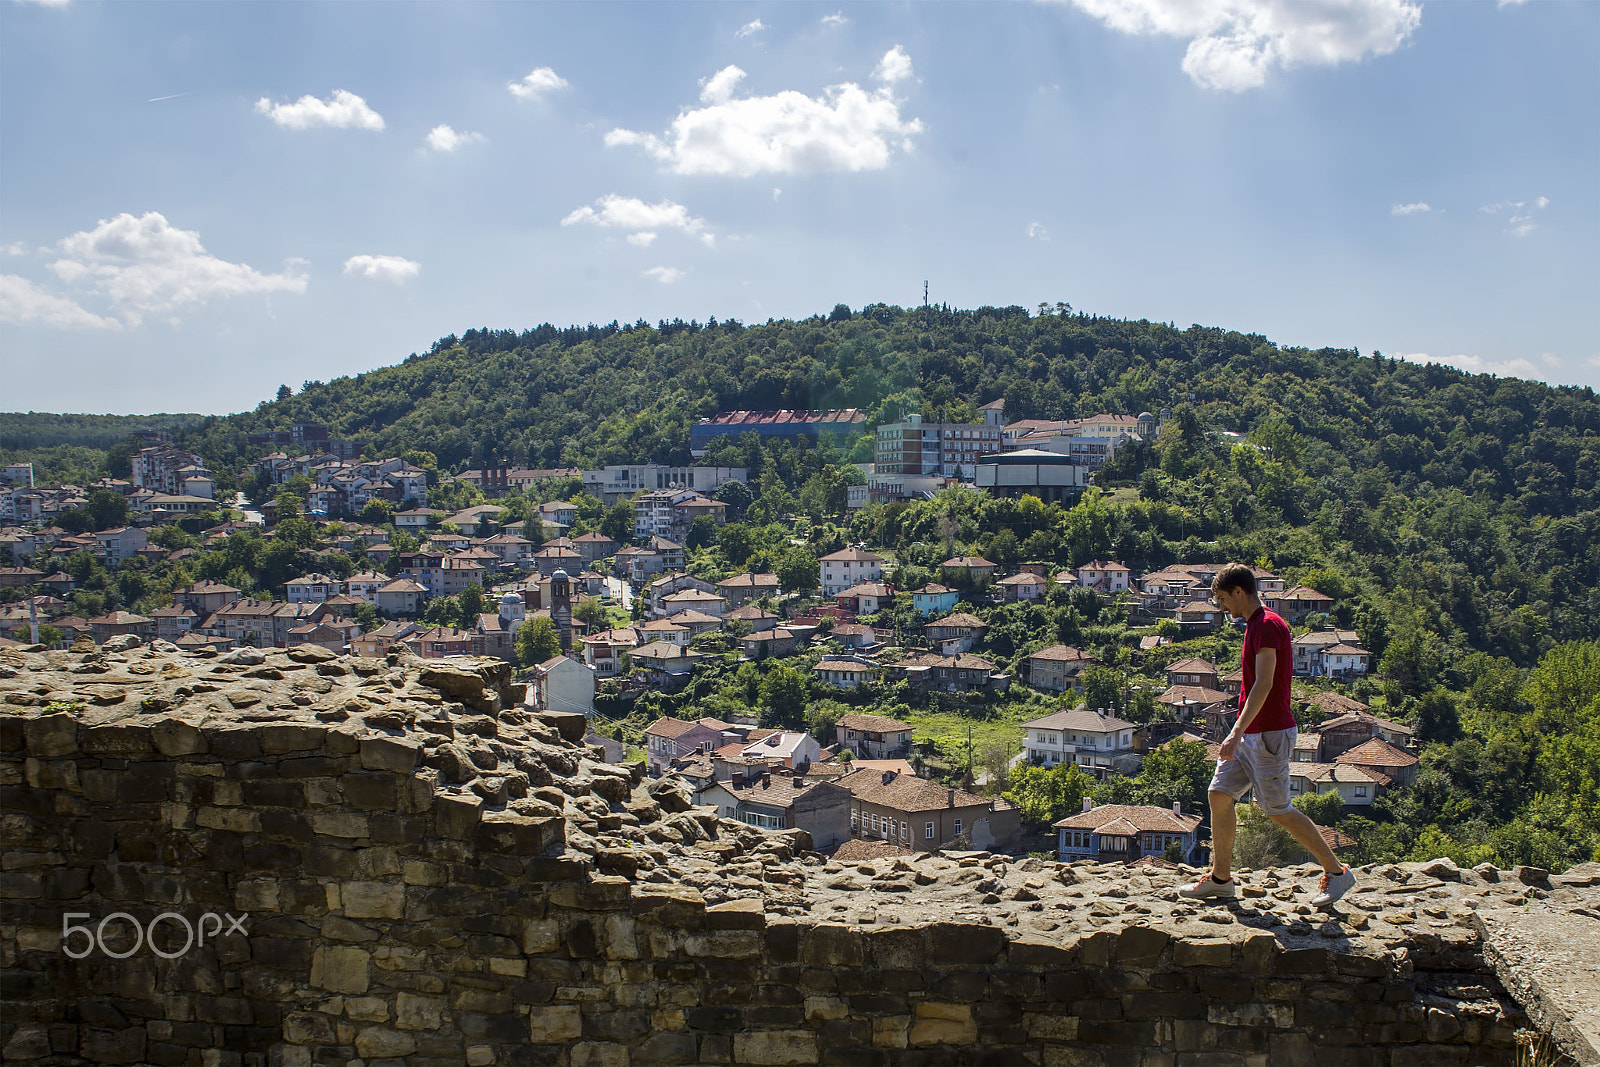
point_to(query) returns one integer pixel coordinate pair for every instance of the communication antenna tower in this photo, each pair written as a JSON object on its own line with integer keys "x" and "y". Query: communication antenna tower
{"x": 924, "y": 294}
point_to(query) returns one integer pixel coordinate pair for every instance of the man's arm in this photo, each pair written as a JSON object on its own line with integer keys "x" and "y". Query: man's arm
{"x": 1266, "y": 672}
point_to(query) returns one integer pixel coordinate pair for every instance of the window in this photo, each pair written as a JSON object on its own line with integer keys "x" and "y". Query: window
{"x": 855, "y": 819}
{"x": 927, "y": 831}
{"x": 905, "y": 831}
{"x": 1361, "y": 790}
{"x": 958, "y": 826}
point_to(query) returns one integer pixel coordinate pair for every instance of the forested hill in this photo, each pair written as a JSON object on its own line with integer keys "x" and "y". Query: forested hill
{"x": 580, "y": 396}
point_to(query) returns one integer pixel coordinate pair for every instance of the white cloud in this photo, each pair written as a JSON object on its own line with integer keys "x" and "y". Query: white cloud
{"x": 536, "y": 83}
{"x": 718, "y": 89}
{"x": 835, "y": 19}
{"x": 344, "y": 111}
{"x": 664, "y": 275}
{"x": 1233, "y": 44}
{"x": 1037, "y": 231}
{"x": 395, "y": 269}
{"x": 1509, "y": 368}
{"x": 776, "y": 194}
{"x": 1419, "y": 207}
{"x": 15, "y": 248}
{"x": 1520, "y": 214}
{"x": 847, "y": 128}
{"x": 22, "y": 301}
{"x": 749, "y": 28}
{"x": 894, "y": 66}
{"x": 444, "y": 139}
{"x": 145, "y": 265}
{"x": 630, "y": 213}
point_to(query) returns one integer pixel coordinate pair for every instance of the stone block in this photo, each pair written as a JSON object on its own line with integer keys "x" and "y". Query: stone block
{"x": 370, "y": 791}
{"x": 666, "y": 1048}
{"x": 1153, "y": 1005}
{"x": 832, "y": 946}
{"x": 555, "y": 1024}
{"x": 1041, "y": 1025}
{"x": 746, "y": 914}
{"x": 943, "y": 1024}
{"x": 340, "y": 824}
{"x": 389, "y": 754}
{"x": 1141, "y": 945}
{"x": 1203, "y": 952}
{"x": 775, "y": 1047}
{"x": 367, "y": 1009}
{"x": 1068, "y": 1056}
{"x": 340, "y": 969}
{"x": 51, "y": 735}
{"x": 256, "y": 894}
{"x": 455, "y": 816}
{"x": 118, "y": 741}
{"x": 518, "y": 835}
{"x": 291, "y": 737}
{"x": 1303, "y": 961}
{"x": 236, "y": 820}
{"x": 381, "y": 1041}
{"x": 598, "y": 1054}
{"x": 728, "y": 944}
{"x": 174, "y": 738}
{"x": 373, "y": 900}
{"x": 1279, "y": 1016}
{"x": 1037, "y": 954}
{"x": 964, "y": 943}
{"x": 59, "y": 774}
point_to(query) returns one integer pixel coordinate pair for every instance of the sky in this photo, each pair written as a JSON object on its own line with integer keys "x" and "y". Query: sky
{"x": 200, "y": 202}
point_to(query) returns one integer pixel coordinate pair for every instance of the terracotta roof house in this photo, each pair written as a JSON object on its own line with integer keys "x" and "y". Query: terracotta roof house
{"x": 1378, "y": 757}
{"x": 976, "y": 567}
{"x": 866, "y": 598}
{"x": 847, "y": 567}
{"x": 1057, "y": 668}
{"x": 1341, "y": 734}
{"x": 915, "y": 813}
{"x": 1096, "y": 742}
{"x": 955, "y": 633}
{"x": 1023, "y": 586}
{"x": 1105, "y": 576}
{"x": 873, "y": 736}
{"x": 742, "y": 588}
{"x": 1191, "y": 697}
{"x": 1192, "y": 671}
{"x": 775, "y": 800}
{"x": 1355, "y": 785}
{"x": 953, "y": 674}
{"x": 758, "y": 618}
{"x": 668, "y": 739}
{"x": 1114, "y": 833}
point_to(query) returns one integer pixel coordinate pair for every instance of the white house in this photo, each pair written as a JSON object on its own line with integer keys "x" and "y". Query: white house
{"x": 561, "y": 683}
{"x": 312, "y": 589}
{"x": 790, "y": 747}
{"x": 1095, "y": 742}
{"x": 1354, "y": 785}
{"x": 1106, "y": 577}
{"x": 848, "y": 567}
{"x": 844, "y": 673}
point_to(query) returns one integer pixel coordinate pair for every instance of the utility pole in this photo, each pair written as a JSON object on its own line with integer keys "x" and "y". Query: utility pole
{"x": 969, "y": 751}
{"x": 33, "y": 624}
{"x": 924, "y": 294}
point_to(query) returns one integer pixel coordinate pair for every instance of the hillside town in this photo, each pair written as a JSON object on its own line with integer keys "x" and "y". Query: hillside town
{"x": 607, "y": 595}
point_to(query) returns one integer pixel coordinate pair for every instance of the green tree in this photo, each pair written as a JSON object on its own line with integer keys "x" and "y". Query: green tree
{"x": 377, "y": 511}
{"x": 1103, "y": 688}
{"x": 618, "y": 522}
{"x": 470, "y": 602}
{"x": 736, "y": 542}
{"x": 1324, "y": 809}
{"x": 784, "y": 689}
{"x": 537, "y": 641}
{"x": 108, "y": 509}
{"x": 737, "y": 496}
{"x": 1178, "y": 771}
{"x": 1044, "y": 794}
{"x": 798, "y": 571}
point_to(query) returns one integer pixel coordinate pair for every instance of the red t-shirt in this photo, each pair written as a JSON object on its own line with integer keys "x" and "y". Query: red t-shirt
{"x": 1266, "y": 629}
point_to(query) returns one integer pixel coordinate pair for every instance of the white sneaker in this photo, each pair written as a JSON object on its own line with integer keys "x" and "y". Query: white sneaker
{"x": 1209, "y": 887}
{"x": 1334, "y": 886}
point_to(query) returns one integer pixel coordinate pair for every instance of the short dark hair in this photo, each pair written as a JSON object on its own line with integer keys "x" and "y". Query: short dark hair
{"x": 1235, "y": 576}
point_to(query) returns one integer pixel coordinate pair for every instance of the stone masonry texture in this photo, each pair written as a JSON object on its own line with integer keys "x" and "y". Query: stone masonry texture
{"x": 424, "y": 871}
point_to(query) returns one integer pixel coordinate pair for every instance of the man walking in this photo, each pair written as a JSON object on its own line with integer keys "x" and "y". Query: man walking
{"x": 1256, "y": 753}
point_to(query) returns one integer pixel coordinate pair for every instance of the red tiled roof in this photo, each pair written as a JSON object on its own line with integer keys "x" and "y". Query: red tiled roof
{"x": 1140, "y": 817}
{"x": 875, "y": 724}
{"x": 1377, "y": 753}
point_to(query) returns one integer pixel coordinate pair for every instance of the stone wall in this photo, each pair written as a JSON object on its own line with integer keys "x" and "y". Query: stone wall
{"x": 435, "y": 875}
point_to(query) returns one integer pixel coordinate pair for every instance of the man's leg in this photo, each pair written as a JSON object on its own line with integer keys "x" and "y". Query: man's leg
{"x": 1223, "y": 825}
{"x": 1304, "y": 831}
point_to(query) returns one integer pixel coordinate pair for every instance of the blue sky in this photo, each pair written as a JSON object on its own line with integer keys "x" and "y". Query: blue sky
{"x": 201, "y": 201}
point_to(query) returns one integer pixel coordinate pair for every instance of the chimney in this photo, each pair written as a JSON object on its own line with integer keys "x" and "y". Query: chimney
{"x": 1087, "y": 804}
{"x": 1177, "y": 808}
{"x": 766, "y": 779}
{"x": 888, "y": 776}
{"x": 951, "y": 802}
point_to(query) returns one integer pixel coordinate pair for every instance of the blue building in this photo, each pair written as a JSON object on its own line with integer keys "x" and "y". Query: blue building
{"x": 934, "y": 599}
{"x": 1117, "y": 833}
